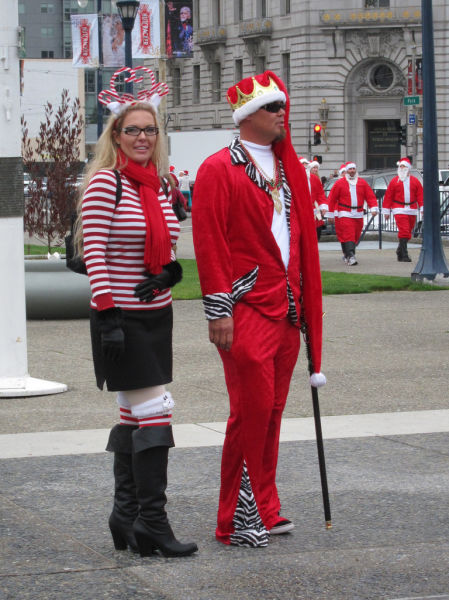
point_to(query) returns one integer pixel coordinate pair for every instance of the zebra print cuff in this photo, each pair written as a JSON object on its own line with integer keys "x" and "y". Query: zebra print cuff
{"x": 244, "y": 284}
{"x": 217, "y": 306}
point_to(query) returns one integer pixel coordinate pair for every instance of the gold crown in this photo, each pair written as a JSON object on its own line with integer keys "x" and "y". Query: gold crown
{"x": 258, "y": 90}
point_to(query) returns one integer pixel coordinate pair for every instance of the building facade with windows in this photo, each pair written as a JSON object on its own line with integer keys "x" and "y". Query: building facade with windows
{"x": 348, "y": 64}
{"x": 46, "y": 33}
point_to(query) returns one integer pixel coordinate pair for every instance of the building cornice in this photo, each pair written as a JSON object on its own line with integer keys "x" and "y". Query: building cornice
{"x": 377, "y": 18}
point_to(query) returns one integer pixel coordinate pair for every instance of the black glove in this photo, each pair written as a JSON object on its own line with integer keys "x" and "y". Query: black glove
{"x": 112, "y": 335}
{"x": 170, "y": 275}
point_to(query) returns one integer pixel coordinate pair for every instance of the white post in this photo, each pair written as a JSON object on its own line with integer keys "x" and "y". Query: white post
{"x": 14, "y": 378}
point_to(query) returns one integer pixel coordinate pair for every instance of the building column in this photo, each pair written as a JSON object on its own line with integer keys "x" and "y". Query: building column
{"x": 14, "y": 378}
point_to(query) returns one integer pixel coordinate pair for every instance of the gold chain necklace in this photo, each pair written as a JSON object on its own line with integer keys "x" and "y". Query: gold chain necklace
{"x": 274, "y": 184}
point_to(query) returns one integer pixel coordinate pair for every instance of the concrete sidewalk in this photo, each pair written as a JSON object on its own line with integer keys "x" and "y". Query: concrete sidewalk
{"x": 385, "y": 414}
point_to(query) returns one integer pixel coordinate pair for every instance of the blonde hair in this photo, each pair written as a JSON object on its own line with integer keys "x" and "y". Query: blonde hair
{"x": 106, "y": 157}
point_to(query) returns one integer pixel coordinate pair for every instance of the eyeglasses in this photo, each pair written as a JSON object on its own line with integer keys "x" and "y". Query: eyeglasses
{"x": 274, "y": 107}
{"x": 135, "y": 131}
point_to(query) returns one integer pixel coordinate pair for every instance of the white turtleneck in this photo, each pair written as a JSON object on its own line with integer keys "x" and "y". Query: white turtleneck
{"x": 263, "y": 155}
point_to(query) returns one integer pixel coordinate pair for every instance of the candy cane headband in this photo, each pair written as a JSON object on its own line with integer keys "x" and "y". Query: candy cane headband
{"x": 116, "y": 103}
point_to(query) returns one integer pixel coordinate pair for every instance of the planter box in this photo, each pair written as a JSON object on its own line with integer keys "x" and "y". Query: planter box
{"x": 52, "y": 291}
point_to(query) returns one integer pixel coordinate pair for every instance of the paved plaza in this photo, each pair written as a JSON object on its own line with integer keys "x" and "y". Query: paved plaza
{"x": 386, "y": 427}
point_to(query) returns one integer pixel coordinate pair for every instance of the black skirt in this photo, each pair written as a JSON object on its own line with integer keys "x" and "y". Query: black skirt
{"x": 148, "y": 356}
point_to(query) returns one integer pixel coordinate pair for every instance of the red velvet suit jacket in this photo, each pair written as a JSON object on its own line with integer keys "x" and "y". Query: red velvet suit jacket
{"x": 236, "y": 252}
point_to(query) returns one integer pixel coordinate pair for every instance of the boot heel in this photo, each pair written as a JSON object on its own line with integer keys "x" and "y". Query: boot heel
{"x": 148, "y": 541}
{"x": 118, "y": 539}
{"x": 145, "y": 546}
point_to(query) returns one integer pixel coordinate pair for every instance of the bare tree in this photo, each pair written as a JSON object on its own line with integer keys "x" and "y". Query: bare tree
{"x": 53, "y": 164}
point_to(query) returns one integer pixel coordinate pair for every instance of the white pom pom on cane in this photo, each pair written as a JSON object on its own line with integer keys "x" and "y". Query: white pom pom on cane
{"x": 318, "y": 380}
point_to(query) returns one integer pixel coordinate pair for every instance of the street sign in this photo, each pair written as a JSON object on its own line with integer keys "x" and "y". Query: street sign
{"x": 412, "y": 100}
{"x": 411, "y": 119}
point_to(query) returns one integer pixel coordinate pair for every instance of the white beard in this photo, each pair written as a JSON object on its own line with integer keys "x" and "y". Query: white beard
{"x": 352, "y": 180}
{"x": 403, "y": 173}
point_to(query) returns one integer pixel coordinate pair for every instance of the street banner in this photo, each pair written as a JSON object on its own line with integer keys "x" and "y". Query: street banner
{"x": 179, "y": 29}
{"x": 113, "y": 41}
{"x": 146, "y": 34}
{"x": 417, "y": 89}
{"x": 85, "y": 41}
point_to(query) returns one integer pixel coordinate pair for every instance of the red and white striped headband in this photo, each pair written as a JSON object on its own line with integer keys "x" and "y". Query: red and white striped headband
{"x": 116, "y": 102}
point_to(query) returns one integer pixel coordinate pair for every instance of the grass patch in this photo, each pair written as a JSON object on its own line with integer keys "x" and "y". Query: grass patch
{"x": 333, "y": 283}
{"x": 34, "y": 250}
{"x": 189, "y": 287}
{"x": 355, "y": 283}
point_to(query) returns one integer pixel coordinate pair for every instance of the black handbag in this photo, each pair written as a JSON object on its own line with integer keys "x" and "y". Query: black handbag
{"x": 76, "y": 263}
{"x": 178, "y": 206}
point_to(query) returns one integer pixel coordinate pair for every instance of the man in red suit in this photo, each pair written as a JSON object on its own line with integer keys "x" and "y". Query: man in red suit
{"x": 258, "y": 263}
{"x": 404, "y": 198}
{"x": 319, "y": 202}
{"x": 346, "y": 204}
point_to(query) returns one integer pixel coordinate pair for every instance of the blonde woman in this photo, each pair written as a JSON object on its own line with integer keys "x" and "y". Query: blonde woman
{"x": 128, "y": 251}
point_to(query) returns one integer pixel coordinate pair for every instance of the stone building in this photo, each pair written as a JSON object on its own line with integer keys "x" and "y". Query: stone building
{"x": 348, "y": 64}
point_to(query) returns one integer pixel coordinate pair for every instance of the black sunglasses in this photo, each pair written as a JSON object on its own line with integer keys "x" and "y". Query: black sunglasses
{"x": 274, "y": 107}
{"x": 135, "y": 131}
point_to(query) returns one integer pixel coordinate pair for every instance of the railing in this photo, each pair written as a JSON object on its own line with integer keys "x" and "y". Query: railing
{"x": 380, "y": 226}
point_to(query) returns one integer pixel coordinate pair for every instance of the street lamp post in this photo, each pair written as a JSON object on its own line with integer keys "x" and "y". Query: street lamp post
{"x": 432, "y": 261}
{"x": 127, "y": 10}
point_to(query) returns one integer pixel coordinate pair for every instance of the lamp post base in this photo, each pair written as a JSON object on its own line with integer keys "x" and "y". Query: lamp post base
{"x": 17, "y": 387}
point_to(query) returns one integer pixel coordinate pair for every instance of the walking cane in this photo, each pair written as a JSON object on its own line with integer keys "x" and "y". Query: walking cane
{"x": 318, "y": 432}
{"x": 365, "y": 230}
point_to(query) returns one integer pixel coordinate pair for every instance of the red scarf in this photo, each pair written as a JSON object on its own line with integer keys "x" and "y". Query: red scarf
{"x": 158, "y": 243}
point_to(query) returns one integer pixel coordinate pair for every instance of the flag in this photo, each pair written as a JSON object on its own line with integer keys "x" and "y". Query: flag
{"x": 113, "y": 41}
{"x": 179, "y": 29}
{"x": 85, "y": 41}
{"x": 146, "y": 38}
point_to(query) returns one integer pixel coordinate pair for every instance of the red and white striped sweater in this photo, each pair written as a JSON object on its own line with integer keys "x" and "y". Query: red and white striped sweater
{"x": 114, "y": 242}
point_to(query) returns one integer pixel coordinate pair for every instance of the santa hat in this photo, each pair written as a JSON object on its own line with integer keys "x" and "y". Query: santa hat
{"x": 250, "y": 94}
{"x": 172, "y": 169}
{"x": 404, "y": 162}
{"x": 303, "y": 160}
{"x": 350, "y": 165}
{"x": 342, "y": 169}
{"x": 310, "y": 310}
{"x": 312, "y": 164}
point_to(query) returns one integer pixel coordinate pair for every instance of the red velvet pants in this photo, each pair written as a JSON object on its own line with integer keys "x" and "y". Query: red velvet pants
{"x": 347, "y": 229}
{"x": 405, "y": 225}
{"x": 258, "y": 370}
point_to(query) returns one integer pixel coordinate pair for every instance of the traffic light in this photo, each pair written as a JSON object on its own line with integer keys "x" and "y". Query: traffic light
{"x": 403, "y": 135}
{"x": 316, "y": 134}
{"x": 318, "y": 158}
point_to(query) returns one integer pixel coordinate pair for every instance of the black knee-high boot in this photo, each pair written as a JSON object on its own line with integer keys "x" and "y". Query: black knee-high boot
{"x": 125, "y": 508}
{"x": 402, "y": 251}
{"x": 150, "y": 460}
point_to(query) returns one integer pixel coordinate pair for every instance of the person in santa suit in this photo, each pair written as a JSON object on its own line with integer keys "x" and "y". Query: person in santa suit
{"x": 258, "y": 264}
{"x": 317, "y": 195}
{"x": 342, "y": 170}
{"x": 404, "y": 198}
{"x": 346, "y": 205}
